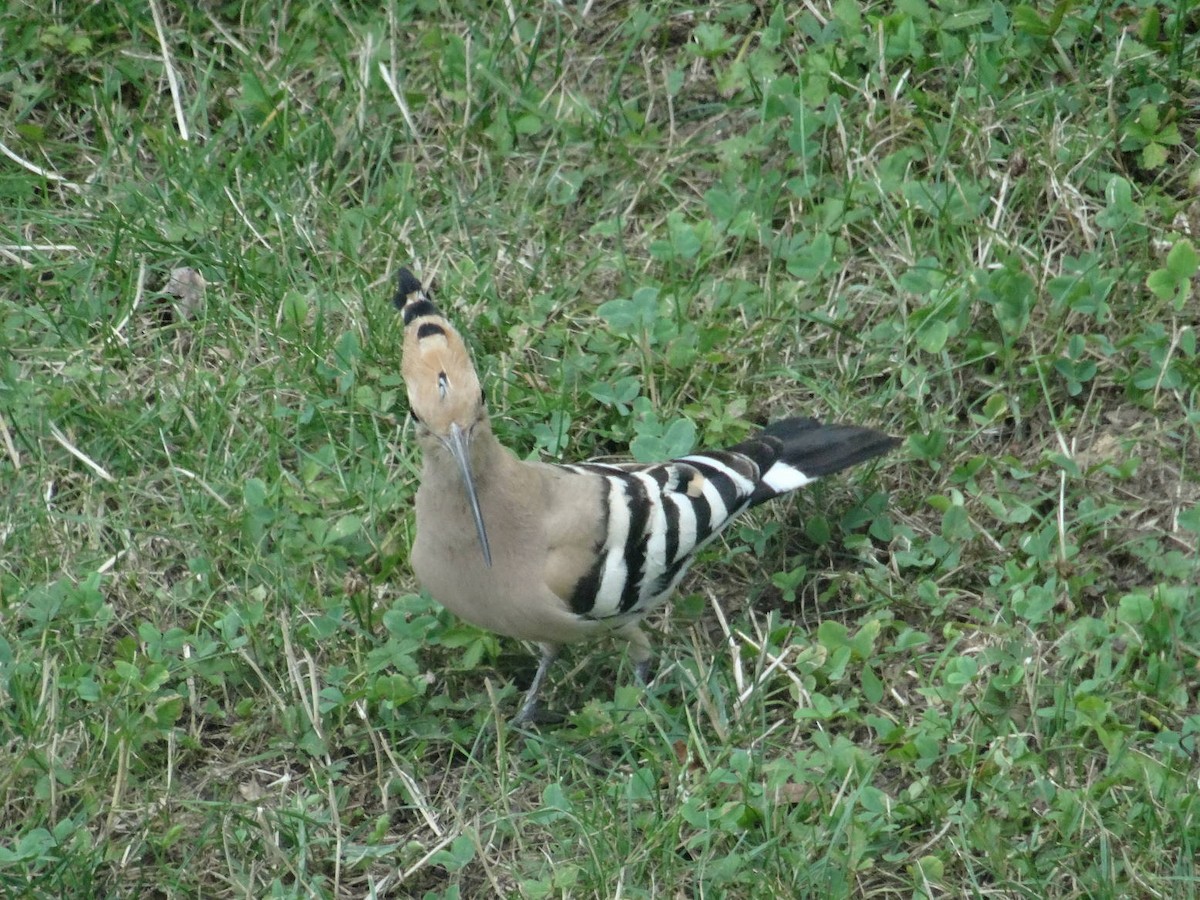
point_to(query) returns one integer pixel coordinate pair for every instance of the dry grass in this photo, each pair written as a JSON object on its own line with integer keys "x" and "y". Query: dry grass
{"x": 971, "y": 670}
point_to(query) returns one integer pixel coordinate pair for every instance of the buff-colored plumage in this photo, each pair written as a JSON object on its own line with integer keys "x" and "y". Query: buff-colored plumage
{"x": 558, "y": 553}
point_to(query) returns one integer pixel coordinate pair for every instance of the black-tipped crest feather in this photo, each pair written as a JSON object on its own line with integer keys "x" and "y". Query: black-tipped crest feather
{"x": 407, "y": 285}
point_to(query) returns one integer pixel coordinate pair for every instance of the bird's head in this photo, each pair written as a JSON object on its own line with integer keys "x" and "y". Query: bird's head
{"x": 444, "y": 394}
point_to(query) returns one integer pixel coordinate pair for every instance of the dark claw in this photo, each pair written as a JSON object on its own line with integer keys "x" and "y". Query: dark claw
{"x": 642, "y": 672}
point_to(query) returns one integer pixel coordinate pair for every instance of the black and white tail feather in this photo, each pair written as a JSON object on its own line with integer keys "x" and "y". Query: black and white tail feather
{"x": 658, "y": 516}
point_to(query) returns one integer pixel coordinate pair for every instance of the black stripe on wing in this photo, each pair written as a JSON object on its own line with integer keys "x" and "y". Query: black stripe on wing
{"x": 734, "y": 494}
{"x": 637, "y": 541}
{"x": 679, "y": 491}
{"x": 583, "y": 597}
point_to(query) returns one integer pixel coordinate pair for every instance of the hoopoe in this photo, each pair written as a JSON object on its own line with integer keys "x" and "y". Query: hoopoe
{"x": 557, "y": 554}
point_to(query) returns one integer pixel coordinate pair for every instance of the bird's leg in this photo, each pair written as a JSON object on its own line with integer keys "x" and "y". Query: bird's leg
{"x": 639, "y": 651}
{"x": 531, "y": 711}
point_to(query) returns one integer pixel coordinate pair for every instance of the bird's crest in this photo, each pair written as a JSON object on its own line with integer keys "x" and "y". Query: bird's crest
{"x": 443, "y": 388}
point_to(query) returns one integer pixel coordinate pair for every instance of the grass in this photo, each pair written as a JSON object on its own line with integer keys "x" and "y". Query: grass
{"x": 971, "y": 670}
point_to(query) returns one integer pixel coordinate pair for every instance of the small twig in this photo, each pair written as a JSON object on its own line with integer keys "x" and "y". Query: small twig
{"x": 118, "y": 787}
{"x": 35, "y": 168}
{"x": 739, "y": 676}
{"x": 1166, "y": 363}
{"x": 293, "y": 666}
{"x": 703, "y": 696}
{"x": 246, "y": 219}
{"x": 13, "y": 258}
{"x": 420, "y": 863}
{"x": 415, "y": 795}
{"x": 138, "y": 290}
{"x": 398, "y": 96}
{"x": 13, "y": 453}
{"x": 204, "y": 484}
{"x": 262, "y": 676}
{"x": 920, "y": 851}
{"x": 336, "y": 822}
{"x": 776, "y": 662}
{"x": 512, "y": 29}
{"x": 98, "y": 469}
{"x": 38, "y": 248}
{"x": 110, "y": 562}
{"x": 172, "y": 78}
{"x": 1062, "y": 514}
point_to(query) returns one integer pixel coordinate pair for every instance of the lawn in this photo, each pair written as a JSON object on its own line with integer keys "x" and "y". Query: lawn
{"x": 970, "y": 669}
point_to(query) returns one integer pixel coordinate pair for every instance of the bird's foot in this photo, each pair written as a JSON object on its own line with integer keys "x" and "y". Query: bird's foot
{"x": 531, "y": 710}
{"x": 641, "y": 671}
{"x": 534, "y": 714}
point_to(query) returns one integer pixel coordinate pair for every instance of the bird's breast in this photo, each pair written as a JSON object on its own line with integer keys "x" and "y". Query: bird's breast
{"x": 511, "y": 596}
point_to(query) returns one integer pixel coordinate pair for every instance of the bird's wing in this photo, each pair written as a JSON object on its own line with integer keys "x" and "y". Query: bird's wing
{"x": 653, "y": 518}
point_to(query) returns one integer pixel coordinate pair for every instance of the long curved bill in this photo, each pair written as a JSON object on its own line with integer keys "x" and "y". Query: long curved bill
{"x": 462, "y": 455}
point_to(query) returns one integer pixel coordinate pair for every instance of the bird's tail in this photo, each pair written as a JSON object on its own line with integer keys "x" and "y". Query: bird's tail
{"x": 794, "y": 452}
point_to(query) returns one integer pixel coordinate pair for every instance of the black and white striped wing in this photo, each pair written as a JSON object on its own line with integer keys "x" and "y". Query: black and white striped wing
{"x": 656, "y": 518}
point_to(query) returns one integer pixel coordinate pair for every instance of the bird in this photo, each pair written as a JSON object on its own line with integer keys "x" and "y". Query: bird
{"x": 558, "y": 554}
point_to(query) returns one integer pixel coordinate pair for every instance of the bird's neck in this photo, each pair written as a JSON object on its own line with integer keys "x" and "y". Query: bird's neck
{"x": 490, "y": 461}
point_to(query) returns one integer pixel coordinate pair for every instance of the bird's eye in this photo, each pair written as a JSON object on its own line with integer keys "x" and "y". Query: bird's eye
{"x": 443, "y": 384}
